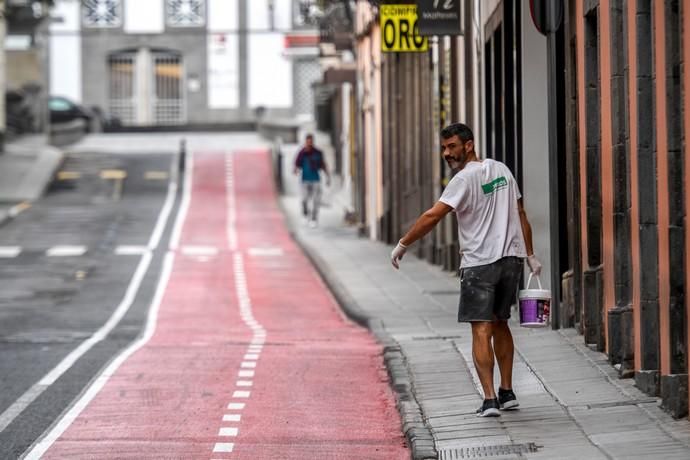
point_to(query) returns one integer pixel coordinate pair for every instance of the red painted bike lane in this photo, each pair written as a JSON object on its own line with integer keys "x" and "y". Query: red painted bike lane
{"x": 250, "y": 358}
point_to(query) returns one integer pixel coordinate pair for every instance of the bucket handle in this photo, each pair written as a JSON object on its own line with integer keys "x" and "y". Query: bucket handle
{"x": 529, "y": 280}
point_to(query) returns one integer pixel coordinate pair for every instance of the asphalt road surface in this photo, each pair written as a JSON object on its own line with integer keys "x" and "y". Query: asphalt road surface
{"x": 146, "y": 315}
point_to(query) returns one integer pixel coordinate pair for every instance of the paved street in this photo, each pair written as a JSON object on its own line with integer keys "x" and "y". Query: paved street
{"x": 147, "y": 320}
{"x": 188, "y": 325}
{"x": 76, "y": 283}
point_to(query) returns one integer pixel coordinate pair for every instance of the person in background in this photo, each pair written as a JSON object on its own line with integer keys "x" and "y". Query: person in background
{"x": 495, "y": 237}
{"x": 311, "y": 162}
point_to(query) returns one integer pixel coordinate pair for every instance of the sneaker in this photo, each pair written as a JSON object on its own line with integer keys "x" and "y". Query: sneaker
{"x": 489, "y": 408}
{"x": 312, "y": 224}
{"x": 507, "y": 399}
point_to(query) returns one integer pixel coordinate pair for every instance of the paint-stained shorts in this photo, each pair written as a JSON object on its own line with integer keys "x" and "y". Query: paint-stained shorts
{"x": 488, "y": 291}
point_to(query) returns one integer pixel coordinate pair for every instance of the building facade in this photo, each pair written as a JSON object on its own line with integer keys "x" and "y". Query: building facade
{"x": 620, "y": 92}
{"x": 184, "y": 62}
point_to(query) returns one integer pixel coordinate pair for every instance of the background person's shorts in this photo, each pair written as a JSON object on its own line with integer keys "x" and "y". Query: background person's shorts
{"x": 488, "y": 291}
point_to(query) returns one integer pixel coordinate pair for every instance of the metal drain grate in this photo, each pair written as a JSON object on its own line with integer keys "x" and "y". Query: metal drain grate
{"x": 505, "y": 451}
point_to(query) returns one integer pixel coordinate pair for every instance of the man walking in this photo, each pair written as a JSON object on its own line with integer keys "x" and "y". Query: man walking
{"x": 495, "y": 236}
{"x": 310, "y": 161}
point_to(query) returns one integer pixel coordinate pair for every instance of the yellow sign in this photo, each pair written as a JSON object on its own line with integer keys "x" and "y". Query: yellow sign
{"x": 399, "y": 29}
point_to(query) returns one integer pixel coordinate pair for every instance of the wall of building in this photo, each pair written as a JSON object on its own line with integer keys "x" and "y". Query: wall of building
{"x": 234, "y": 59}
{"x": 535, "y": 186}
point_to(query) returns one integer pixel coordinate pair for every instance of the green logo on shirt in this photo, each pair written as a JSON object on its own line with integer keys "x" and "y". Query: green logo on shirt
{"x": 494, "y": 185}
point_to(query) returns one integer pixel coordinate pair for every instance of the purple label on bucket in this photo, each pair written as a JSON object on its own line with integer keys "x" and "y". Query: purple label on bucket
{"x": 534, "y": 311}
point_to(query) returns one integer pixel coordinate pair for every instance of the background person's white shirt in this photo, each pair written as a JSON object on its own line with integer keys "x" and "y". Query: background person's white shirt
{"x": 484, "y": 196}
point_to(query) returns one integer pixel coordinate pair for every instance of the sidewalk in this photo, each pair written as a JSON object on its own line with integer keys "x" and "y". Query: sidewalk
{"x": 26, "y": 169}
{"x": 573, "y": 406}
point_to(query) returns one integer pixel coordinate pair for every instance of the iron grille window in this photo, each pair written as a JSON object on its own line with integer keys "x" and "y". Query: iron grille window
{"x": 185, "y": 13}
{"x": 102, "y": 13}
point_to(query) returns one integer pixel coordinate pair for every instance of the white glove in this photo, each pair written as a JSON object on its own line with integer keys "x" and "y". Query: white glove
{"x": 534, "y": 264}
{"x": 398, "y": 254}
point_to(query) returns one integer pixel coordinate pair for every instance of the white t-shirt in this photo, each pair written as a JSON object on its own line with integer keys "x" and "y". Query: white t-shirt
{"x": 484, "y": 196}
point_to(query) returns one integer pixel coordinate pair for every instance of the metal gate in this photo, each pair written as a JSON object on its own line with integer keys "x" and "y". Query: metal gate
{"x": 146, "y": 88}
{"x": 123, "y": 101}
{"x": 168, "y": 100}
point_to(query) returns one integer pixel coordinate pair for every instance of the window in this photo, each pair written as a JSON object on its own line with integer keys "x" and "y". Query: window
{"x": 59, "y": 105}
{"x": 185, "y": 13}
{"x": 102, "y": 13}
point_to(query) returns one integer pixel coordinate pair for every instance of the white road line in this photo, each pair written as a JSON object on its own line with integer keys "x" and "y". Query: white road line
{"x": 265, "y": 252}
{"x": 199, "y": 250}
{"x": 228, "y": 431}
{"x": 184, "y": 205}
{"x": 245, "y": 305}
{"x": 7, "y": 252}
{"x": 232, "y": 417}
{"x": 66, "y": 251}
{"x": 41, "y": 447}
{"x": 131, "y": 250}
{"x": 223, "y": 447}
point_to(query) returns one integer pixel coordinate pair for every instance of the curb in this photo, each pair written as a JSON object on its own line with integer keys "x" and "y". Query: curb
{"x": 14, "y": 211}
{"x": 416, "y": 431}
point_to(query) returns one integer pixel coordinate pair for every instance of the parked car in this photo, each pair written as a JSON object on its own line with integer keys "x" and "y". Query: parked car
{"x": 62, "y": 110}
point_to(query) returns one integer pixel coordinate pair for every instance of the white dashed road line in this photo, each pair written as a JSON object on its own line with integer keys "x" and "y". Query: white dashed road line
{"x": 265, "y": 252}
{"x": 66, "y": 251}
{"x": 131, "y": 250}
{"x": 245, "y": 306}
{"x": 8, "y": 252}
{"x": 223, "y": 447}
{"x": 228, "y": 432}
{"x": 199, "y": 250}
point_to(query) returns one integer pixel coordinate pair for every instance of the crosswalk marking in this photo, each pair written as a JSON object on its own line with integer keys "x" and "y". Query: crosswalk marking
{"x": 68, "y": 175}
{"x": 115, "y": 174}
{"x": 156, "y": 175}
{"x": 66, "y": 251}
{"x": 10, "y": 251}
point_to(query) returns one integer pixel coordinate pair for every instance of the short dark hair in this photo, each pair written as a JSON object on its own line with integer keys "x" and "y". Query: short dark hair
{"x": 458, "y": 129}
{"x": 309, "y": 136}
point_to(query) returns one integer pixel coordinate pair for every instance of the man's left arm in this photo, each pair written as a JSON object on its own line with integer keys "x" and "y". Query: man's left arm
{"x": 325, "y": 170}
{"x": 424, "y": 224}
{"x": 532, "y": 261}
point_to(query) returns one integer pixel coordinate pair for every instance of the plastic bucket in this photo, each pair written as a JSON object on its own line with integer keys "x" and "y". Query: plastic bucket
{"x": 535, "y": 305}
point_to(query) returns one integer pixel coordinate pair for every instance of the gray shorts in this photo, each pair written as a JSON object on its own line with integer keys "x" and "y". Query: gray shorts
{"x": 488, "y": 291}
